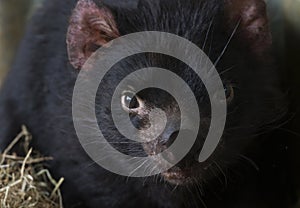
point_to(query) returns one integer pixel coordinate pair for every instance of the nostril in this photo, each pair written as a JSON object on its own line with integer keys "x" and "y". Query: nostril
{"x": 193, "y": 154}
{"x": 171, "y": 139}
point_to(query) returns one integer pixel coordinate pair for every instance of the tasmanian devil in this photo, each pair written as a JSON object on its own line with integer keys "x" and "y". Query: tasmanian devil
{"x": 246, "y": 169}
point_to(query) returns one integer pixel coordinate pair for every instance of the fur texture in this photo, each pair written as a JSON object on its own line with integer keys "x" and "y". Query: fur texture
{"x": 247, "y": 169}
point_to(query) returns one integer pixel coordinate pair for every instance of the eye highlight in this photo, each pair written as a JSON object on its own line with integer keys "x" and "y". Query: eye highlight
{"x": 130, "y": 101}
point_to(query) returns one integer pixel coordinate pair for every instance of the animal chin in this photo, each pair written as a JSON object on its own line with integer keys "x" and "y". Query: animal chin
{"x": 178, "y": 177}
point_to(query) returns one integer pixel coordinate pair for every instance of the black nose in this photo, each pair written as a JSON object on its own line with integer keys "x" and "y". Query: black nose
{"x": 192, "y": 156}
{"x": 169, "y": 141}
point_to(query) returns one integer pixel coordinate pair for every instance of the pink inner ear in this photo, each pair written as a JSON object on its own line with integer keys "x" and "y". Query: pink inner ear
{"x": 254, "y": 27}
{"x": 90, "y": 26}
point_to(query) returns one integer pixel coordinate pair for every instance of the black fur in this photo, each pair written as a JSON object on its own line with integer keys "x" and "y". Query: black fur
{"x": 38, "y": 93}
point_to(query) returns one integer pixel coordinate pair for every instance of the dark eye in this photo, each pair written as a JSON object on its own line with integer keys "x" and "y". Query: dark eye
{"x": 130, "y": 101}
{"x": 229, "y": 92}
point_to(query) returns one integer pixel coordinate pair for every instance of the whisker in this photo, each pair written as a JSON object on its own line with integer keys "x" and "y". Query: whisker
{"x": 227, "y": 70}
{"x": 136, "y": 169}
{"x": 252, "y": 163}
{"x": 223, "y": 173}
{"x": 290, "y": 131}
{"x": 227, "y": 44}
{"x": 207, "y": 33}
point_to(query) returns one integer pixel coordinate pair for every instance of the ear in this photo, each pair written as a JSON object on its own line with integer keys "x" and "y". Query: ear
{"x": 253, "y": 30}
{"x": 90, "y": 27}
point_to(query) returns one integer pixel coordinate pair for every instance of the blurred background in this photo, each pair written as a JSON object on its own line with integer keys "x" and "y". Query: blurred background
{"x": 285, "y": 22}
{"x": 14, "y": 14}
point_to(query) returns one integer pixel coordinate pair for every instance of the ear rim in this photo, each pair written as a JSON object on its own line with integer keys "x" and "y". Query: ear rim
{"x": 254, "y": 29}
{"x": 89, "y": 25}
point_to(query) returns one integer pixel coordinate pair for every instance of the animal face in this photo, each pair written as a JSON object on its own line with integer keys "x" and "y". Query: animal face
{"x": 235, "y": 37}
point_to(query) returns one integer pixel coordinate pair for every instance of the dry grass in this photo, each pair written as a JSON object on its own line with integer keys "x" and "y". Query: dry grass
{"x": 24, "y": 181}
